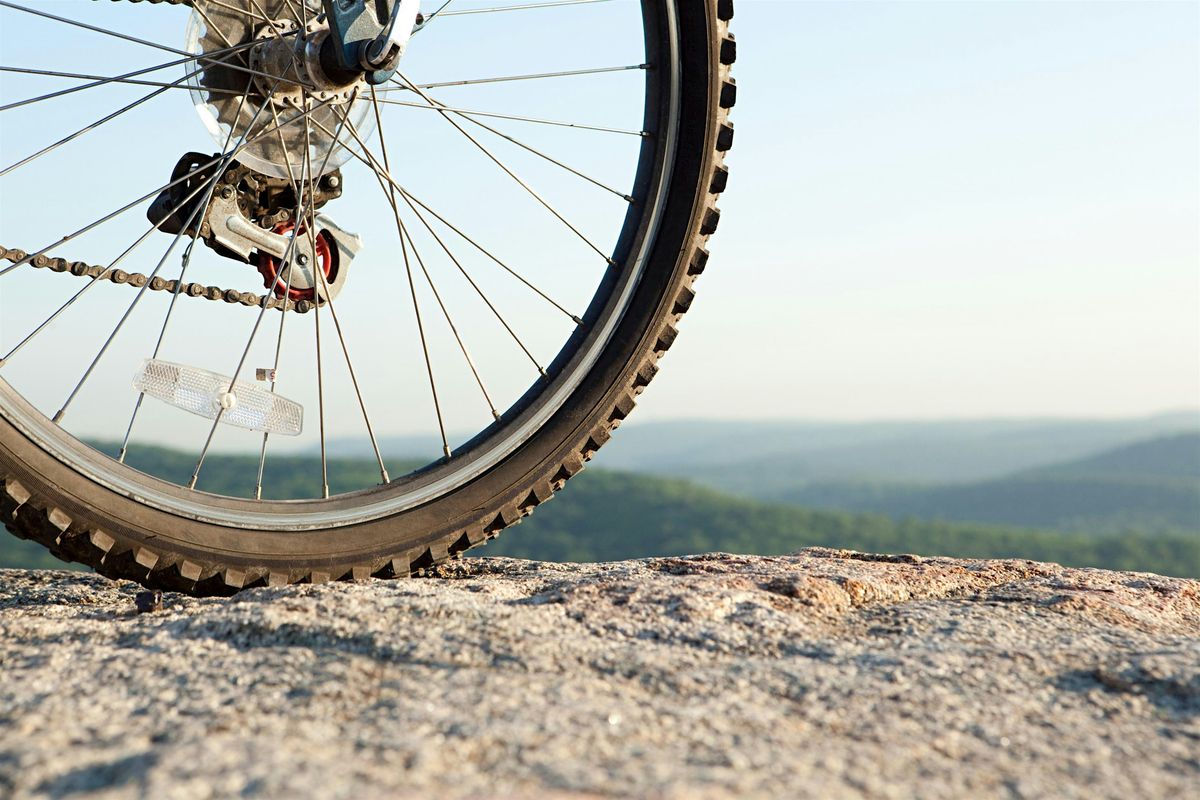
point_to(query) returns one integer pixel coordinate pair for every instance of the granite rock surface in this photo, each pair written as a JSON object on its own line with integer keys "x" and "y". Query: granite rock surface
{"x": 821, "y": 674}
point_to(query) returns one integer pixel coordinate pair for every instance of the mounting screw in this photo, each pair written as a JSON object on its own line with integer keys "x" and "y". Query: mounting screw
{"x": 302, "y": 259}
{"x": 333, "y": 181}
{"x": 227, "y": 192}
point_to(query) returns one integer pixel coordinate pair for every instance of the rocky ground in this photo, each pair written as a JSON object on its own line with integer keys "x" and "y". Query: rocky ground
{"x": 823, "y": 674}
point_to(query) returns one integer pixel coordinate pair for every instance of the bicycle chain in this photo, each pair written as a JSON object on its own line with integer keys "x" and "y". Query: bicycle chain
{"x": 137, "y": 280}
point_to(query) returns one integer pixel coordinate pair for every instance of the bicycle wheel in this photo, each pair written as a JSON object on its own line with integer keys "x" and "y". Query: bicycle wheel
{"x": 527, "y": 238}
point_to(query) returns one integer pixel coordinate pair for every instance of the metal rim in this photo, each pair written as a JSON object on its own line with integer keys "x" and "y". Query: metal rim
{"x": 484, "y": 452}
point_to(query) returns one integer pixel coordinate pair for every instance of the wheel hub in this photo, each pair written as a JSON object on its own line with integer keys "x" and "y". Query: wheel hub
{"x": 289, "y": 59}
{"x": 282, "y": 74}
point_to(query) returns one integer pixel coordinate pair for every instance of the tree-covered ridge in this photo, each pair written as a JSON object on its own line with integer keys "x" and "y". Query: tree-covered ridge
{"x": 603, "y": 516}
{"x": 285, "y": 477}
{"x": 1148, "y": 487}
{"x": 606, "y": 516}
{"x": 1174, "y": 457}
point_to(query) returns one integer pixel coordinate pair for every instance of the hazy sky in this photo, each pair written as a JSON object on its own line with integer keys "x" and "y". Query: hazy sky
{"x": 936, "y": 209}
{"x": 953, "y": 209}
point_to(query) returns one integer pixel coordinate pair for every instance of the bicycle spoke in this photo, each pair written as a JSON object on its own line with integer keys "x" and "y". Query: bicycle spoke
{"x": 522, "y": 7}
{"x": 296, "y": 215}
{"x": 542, "y": 155}
{"x": 262, "y": 455}
{"x": 498, "y": 115}
{"x": 306, "y": 174}
{"x": 186, "y": 262}
{"x": 131, "y": 81}
{"x": 281, "y": 181}
{"x": 408, "y": 195}
{"x": 210, "y": 185}
{"x": 210, "y": 57}
{"x": 382, "y": 174}
{"x": 446, "y": 116}
{"x": 89, "y": 127}
{"x": 312, "y": 225}
{"x": 262, "y": 313}
{"x": 483, "y": 296}
{"x": 94, "y": 28}
{"x": 95, "y": 280}
{"x": 412, "y": 286}
{"x": 391, "y": 193}
{"x": 432, "y": 16}
{"x": 99, "y": 122}
{"x": 90, "y": 226}
{"x": 321, "y": 404}
{"x": 58, "y": 418}
{"x": 212, "y": 27}
{"x": 127, "y": 37}
{"x": 406, "y": 86}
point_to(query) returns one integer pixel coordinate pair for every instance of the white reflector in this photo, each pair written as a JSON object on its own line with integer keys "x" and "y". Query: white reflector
{"x": 205, "y": 393}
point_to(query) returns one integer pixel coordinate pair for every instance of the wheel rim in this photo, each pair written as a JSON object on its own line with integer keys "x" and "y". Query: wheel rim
{"x": 525, "y": 415}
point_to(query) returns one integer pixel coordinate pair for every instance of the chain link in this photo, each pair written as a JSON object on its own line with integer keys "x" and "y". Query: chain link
{"x": 137, "y": 280}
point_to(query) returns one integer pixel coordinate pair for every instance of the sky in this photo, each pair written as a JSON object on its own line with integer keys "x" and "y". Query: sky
{"x": 959, "y": 209}
{"x": 936, "y": 209}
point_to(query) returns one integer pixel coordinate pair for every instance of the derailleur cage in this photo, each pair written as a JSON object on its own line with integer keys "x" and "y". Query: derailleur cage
{"x": 263, "y": 200}
{"x": 246, "y": 218}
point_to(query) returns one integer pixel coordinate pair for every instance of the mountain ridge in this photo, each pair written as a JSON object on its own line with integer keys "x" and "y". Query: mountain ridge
{"x": 1147, "y": 486}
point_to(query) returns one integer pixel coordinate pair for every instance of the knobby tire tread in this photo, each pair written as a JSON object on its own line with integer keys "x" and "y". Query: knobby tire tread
{"x": 32, "y": 514}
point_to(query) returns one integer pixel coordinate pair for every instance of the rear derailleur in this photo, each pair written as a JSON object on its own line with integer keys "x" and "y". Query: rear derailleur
{"x": 249, "y": 218}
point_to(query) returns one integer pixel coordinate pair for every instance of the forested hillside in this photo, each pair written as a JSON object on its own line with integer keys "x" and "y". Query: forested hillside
{"x": 747, "y": 457}
{"x": 608, "y": 515}
{"x": 1164, "y": 457}
{"x": 604, "y": 515}
{"x": 1147, "y": 487}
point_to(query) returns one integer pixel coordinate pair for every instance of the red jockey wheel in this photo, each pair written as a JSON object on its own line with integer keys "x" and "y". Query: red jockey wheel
{"x": 302, "y": 281}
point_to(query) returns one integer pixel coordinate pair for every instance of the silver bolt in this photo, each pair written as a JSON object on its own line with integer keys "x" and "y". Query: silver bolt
{"x": 333, "y": 181}
{"x": 302, "y": 259}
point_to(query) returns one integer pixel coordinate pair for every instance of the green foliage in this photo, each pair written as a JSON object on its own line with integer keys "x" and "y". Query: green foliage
{"x": 1173, "y": 457}
{"x": 610, "y": 515}
{"x": 605, "y": 516}
{"x": 1151, "y": 487}
{"x": 763, "y": 458}
{"x": 19, "y": 554}
{"x": 284, "y": 477}
{"x": 1088, "y": 505}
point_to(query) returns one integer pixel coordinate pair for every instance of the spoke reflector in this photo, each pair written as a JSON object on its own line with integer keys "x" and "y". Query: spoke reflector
{"x": 206, "y": 393}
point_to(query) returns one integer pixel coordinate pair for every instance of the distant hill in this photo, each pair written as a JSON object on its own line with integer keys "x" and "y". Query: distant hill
{"x": 1165, "y": 457}
{"x": 605, "y": 515}
{"x": 285, "y": 477}
{"x": 1148, "y": 487}
{"x": 765, "y": 458}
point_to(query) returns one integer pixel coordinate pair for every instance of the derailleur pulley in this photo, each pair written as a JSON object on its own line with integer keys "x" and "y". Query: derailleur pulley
{"x": 249, "y": 218}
